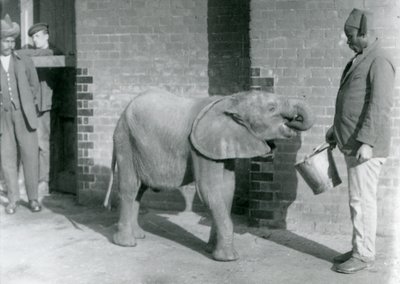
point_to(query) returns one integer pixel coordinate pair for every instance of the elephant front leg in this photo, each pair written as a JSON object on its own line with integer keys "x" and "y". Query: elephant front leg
{"x": 221, "y": 236}
{"x": 216, "y": 186}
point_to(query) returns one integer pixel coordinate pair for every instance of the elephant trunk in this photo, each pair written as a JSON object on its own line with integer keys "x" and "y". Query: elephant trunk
{"x": 299, "y": 116}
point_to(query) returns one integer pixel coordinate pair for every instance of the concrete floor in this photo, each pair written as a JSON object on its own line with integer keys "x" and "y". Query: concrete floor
{"x": 68, "y": 243}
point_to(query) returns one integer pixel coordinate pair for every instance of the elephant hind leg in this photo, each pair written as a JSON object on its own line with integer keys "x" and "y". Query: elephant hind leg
{"x": 136, "y": 229}
{"x": 129, "y": 185}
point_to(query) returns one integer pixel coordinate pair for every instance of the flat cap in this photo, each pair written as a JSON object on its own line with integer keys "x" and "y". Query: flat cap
{"x": 37, "y": 28}
{"x": 9, "y": 28}
{"x": 358, "y": 19}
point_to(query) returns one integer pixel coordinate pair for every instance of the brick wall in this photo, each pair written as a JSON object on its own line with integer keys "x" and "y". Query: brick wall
{"x": 125, "y": 47}
{"x": 301, "y": 45}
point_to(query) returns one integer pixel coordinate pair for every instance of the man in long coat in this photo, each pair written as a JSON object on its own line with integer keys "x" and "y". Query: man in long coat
{"x": 18, "y": 118}
{"x": 361, "y": 130}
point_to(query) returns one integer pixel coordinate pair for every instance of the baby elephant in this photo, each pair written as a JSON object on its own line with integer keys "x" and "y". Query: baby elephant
{"x": 163, "y": 141}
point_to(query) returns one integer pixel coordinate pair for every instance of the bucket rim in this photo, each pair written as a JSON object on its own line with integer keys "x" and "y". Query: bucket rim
{"x": 320, "y": 148}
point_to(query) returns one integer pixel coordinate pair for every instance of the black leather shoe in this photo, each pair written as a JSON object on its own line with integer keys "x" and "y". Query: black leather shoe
{"x": 11, "y": 208}
{"x": 34, "y": 206}
{"x": 352, "y": 265}
{"x": 343, "y": 257}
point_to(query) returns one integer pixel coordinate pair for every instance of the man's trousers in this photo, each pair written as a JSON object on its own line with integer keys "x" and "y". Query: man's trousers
{"x": 19, "y": 141}
{"x": 44, "y": 131}
{"x": 363, "y": 181}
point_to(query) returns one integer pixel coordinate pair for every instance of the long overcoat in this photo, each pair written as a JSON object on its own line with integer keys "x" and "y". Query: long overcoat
{"x": 364, "y": 100}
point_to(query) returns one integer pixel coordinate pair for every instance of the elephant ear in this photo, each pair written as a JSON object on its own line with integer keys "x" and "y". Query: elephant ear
{"x": 219, "y": 132}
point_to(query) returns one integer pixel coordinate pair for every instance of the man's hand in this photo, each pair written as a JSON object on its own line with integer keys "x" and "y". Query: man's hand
{"x": 364, "y": 153}
{"x": 330, "y": 138}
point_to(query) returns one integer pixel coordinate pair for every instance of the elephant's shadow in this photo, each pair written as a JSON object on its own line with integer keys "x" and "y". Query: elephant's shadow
{"x": 103, "y": 221}
{"x": 159, "y": 223}
{"x": 282, "y": 237}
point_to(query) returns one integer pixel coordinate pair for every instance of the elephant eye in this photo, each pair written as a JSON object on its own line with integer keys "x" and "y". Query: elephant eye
{"x": 272, "y": 108}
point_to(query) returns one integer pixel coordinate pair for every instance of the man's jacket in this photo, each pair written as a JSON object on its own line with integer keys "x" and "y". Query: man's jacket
{"x": 364, "y": 100}
{"x": 28, "y": 88}
{"x": 48, "y": 77}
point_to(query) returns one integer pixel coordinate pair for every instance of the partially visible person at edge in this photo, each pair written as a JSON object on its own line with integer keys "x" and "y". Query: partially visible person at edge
{"x": 48, "y": 78}
{"x": 362, "y": 133}
{"x": 18, "y": 119}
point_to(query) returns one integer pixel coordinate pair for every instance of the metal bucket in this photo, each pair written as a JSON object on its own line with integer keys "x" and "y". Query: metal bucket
{"x": 319, "y": 169}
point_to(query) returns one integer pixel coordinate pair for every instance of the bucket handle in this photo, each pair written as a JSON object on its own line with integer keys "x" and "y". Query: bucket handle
{"x": 320, "y": 148}
{"x": 315, "y": 151}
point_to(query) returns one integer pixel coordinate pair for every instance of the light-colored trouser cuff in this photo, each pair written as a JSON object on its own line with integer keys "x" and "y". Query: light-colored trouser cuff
{"x": 363, "y": 181}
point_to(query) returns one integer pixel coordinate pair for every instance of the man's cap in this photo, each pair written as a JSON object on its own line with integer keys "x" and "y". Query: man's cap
{"x": 358, "y": 19}
{"x": 9, "y": 28}
{"x": 37, "y": 28}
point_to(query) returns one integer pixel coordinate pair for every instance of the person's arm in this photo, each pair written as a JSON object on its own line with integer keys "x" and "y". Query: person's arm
{"x": 32, "y": 78}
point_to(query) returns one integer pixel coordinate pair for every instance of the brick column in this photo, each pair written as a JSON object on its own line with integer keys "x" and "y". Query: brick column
{"x": 262, "y": 191}
{"x": 85, "y": 130}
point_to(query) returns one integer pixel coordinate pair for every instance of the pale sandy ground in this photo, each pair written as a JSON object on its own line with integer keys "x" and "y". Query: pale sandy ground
{"x": 68, "y": 243}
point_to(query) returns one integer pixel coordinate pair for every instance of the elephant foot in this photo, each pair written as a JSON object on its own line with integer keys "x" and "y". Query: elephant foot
{"x": 139, "y": 233}
{"x": 211, "y": 245}
{"x": 225, "y": 254}
{"x": 124, "y": 239}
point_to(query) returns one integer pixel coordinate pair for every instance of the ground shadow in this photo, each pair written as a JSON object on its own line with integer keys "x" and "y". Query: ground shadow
{"x": 281, "y": 237}
{"x": 96, "y": 218}
{"x": 301, "y": 244}
{"x": 153, "y": 221}
{"x": 104, "y": 222}
{"x": 156, "y": 224}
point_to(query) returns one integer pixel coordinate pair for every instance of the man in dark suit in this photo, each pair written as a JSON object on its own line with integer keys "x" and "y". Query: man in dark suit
{"x": 48, "y": 78}
{"x": 361, "y": 130}
{"x": 18, "y": 118}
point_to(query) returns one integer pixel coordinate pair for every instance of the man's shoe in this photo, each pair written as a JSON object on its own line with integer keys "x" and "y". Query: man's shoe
{"x": 34, "y": 206}
{"x": 11, "y": 208}
{"x": 343, "y": 257}
{"x": 352, "y": 265}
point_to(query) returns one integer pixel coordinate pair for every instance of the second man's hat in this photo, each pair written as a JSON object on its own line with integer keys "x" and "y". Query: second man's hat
{"x": 37, "y": 28}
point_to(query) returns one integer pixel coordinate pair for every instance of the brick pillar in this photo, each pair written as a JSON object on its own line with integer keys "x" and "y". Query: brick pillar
{"x": 85, "y": 130}
{"x": 262, "y": 191}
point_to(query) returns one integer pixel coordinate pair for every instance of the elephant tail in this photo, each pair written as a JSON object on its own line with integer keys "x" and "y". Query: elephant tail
{"x": 107, "y": 200}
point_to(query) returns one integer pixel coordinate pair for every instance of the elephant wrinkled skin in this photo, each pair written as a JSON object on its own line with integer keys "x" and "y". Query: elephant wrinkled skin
{"x": 163, "y": 141}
